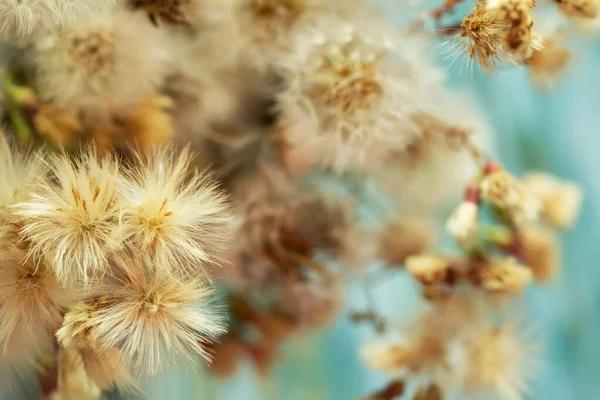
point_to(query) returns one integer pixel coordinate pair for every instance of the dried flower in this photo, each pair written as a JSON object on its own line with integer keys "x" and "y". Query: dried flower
{"x": 500, "y": 30}
{"x": 61, "y": 127}
{"x": 72, "y": 221}
{"x": 507, "y": 276}
{"x": 179, "y": 12}
{"x": 427, "y": 269}
{"x": 343, "y": 100}
{"x": 31, "y": 307}
{"x": 482, "y": 32}
{"x": 21, "y": 171}
{"x": 424, "y": 351}
{"x": 22, "y": 18}
{"x": 150, "y": 124}
{"x": 547, "y": 63}
{"x": 150, "y": 318}
{"x": 500, "y": 360}
{"x": 462, "y": 224}
{"x": 103, "y": 365}
{"x": 505, "y": 192}
{"x": 173, "y": 214}
{"x": 110, "y": 61}
{"x": 580, "y": 9}
{"x": 73, "y": 381}
{"x": 561, "y": 200}
{"x": 518, "y": 41}
{"x": 540, "y": 251}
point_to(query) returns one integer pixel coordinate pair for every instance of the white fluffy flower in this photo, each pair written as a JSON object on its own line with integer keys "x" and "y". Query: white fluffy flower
{"x": 345, "y": 101}
{"x": 110, "y": 61}
{"x": 20, "y": 18}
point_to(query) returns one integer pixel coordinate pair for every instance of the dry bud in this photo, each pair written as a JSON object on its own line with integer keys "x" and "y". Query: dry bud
{"x": 427, "y": 269}
{"x": 561, "y": 201}
{"x": 505, "y": 192}
{"x": 539, "y": 250}
{"x": 506, "y": 277}
{"x": 579, "y": 9}
{"x": 462, "y": 224}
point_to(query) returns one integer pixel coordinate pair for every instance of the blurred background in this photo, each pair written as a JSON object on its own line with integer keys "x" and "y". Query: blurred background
{"x": 555, "y": 131}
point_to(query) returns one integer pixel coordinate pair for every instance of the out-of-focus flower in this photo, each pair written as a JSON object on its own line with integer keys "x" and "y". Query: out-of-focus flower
{"x": 505, "y": 192}
{"x": 21, "y": 171}
{"x": 344, "y": 101}
{"x": 462, "y": 224}
{"x": 540, "y": 251}
{"x": 150, "y": 123}
{"x": 175, "y": 215}
{"x": 107, "y": 62}
{"x": 500, "y": 360}
{"x": 561, "y": 200}
{"x": 73, "y": 380}
{"x": 72, "y": 220}
{"x": 62, "y": 128}
{"x": 278, "y": 222}
{"x": 31, "y": 307}
{"x": 423, "y": 352}
{"x": 427, "y": 269}
{"x": 579, "y": 9}
{"x": 548, "y": 63}
{"x": 507, "y": 276}
{"x": 433, "y": 171}
{"x": 22, "y": 18}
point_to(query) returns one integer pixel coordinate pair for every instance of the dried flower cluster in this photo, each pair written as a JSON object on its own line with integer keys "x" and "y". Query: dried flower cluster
{"x": 332, "y": 141}
{"x": 111, "y": 257}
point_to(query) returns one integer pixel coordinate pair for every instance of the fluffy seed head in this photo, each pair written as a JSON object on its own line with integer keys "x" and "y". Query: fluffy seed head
{"x": 110, "y": 61}
{"x": 539, "y": 249}
{"x": 21, "y": 170}
{"x": 103, "y": 365}
{"x": 344, "y": 102}
{"x": 73, "y": 219}
{"x": 151, "y": 319}
{"x": 481, "y": 32}
{"x": 31, "y": 306}
{"x": 23, "y": 17}
{"x": 173, "y": 213}
{"x": 500, "y": 360}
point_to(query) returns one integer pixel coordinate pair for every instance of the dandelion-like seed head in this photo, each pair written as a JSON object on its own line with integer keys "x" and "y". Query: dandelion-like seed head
{"x": 111, "y": 61}
{"x": 482, "y": 32}
{"x": 501, "y": 359}
{"x": 344, "y": 100}
{"x": 173, "y": 213}
{"x": 31, "y": 307}
{"x": 21, "y": 170}
{"x": 151, "y": 319}
{"x": 72, "y": 221}
{"x": 22, "y": 18}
